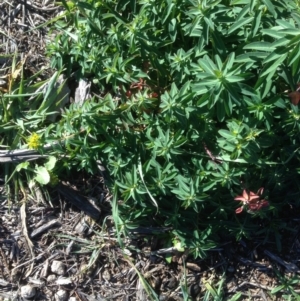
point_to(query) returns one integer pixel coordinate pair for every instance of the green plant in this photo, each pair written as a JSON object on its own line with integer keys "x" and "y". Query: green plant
{"x": 195, "y": 111}
{"x": 217, "y": 294}
{"x": 41, "y": 174}
{"x": 23, "y": 113}
{"x": 287, "y": 285}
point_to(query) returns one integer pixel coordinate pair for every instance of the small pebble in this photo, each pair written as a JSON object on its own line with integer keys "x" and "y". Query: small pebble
{"x": 61, "y": 295}
{"x": 51, "y": 278}
{"x": 194, "y": 290}
{"x": 163, "y": 297}
{"x": 58, "y": 267}
{"x": 106, "y": 275}
{"x": 28, "y": 291}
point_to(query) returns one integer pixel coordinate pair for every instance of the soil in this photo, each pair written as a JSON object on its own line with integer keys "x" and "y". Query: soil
{"x": 56, "y": 251}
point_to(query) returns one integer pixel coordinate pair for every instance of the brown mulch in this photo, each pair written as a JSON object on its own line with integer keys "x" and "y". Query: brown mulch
{"x": 23, "y": 33}
{"x": 56, "y": 251}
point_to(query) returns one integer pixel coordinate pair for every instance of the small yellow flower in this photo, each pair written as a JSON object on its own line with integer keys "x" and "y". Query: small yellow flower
{"x": 34, "y": 141}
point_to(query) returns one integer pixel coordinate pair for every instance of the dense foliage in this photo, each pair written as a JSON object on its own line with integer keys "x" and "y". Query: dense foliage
{"x": 194, "y": 110}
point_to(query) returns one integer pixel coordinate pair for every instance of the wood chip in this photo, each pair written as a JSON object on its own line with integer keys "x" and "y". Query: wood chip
{"x": 193, "y": 266}
{"x": 45, "y": 227}
{"x": 80, "y": 201}
{"x": 291, "y": 267}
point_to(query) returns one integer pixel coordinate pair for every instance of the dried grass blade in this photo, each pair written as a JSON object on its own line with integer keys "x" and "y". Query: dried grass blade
{"x": 25, "y": 233}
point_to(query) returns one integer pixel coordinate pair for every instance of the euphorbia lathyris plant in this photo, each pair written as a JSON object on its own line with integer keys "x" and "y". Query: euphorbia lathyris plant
{"x": 216, "y": 72}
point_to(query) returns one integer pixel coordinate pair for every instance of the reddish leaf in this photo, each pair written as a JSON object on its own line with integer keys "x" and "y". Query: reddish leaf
{"x": 294, "y": 97}
{"x": 238, "y": 210}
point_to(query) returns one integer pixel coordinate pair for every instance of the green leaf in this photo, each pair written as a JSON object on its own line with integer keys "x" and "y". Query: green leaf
{"x": 228, "y": 105}
{"x": 226, "y": 134}
{"x": 172, "y": 29}
{"x": 234, "y": 79}
{"x": 84, "y": 5}
{"x": 264, "y": 46}
{"x": 247, "y": 90}
{"x": 220, "y": 110}
{"x": 174, "y": 91}
{"x": 209, "y": 23}
{"x": 281, "y": 42}
{"x": 277, "y": 289}
{"x": 273, "y": 56}
{"x": 50, "y": 164}
{"x": 239, "y": 2}
{"x": 219, "y": 43}
{"x": 243, "y": 12}
{"x": 296, "y": 66}
{"x": 229, "y": 62}
{"x": 168, "y": 257}
{"x": 42, "y": 175}
{"x": 23, "y": 165}
{"x": 184, "y": 89}
{"x": 284, "y": 24}
{"x": 239, "y": 24}
{"x": 211, "y": 289}
{"x": 251, "y": 57}
{"x": 271, "y": 67}
{"x": 200, "y": 88}
{"x": 218, "y": 62}
{"x": 236, "y": 297}
{"x": 273, "y": 33}
{"x": 167, "y": 12}
{"x": 294, "y": 55}
{"x": 291, "y": 31}
{"x": 178, "y": 246}
{"x": 270, "y": 7}
{"x": 207, "y": 65}
{"x": 256, "y": 24}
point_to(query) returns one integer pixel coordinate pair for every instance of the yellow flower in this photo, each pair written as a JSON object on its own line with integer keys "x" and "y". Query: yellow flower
{"x": 34, "y": 141}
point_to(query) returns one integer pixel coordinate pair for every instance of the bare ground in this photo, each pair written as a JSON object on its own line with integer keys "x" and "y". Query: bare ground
{"x": 56, "y": 251}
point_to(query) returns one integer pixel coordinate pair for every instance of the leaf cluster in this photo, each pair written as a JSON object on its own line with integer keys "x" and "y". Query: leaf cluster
{"x": 195, "y": 110}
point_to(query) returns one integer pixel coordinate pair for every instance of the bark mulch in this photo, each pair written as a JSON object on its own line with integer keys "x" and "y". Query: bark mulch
{"x": 56, "y": 251}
